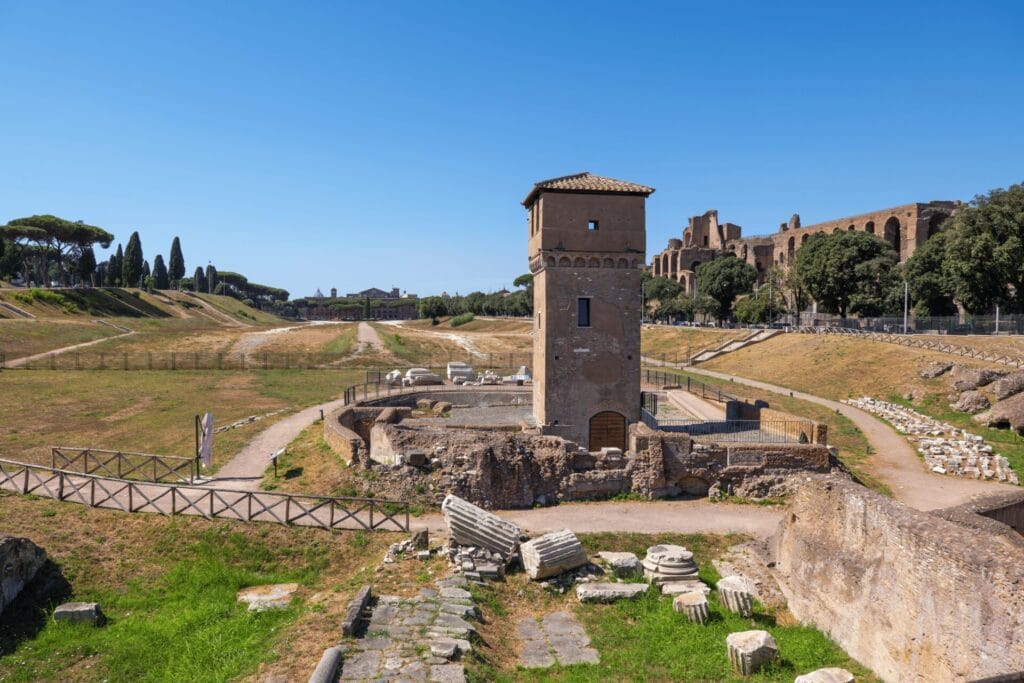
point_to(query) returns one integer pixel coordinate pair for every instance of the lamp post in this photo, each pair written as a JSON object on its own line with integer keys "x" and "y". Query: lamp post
{"x": 906, "y": 304}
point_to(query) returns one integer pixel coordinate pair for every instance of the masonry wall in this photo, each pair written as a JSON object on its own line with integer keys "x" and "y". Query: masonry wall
{"x": 911, "y": 595}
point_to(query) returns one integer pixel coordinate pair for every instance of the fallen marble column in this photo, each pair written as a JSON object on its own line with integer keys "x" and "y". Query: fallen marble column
{"x": 751, "y": 650}
{"x": 609, "y": 592}
{"x": 734, "y": 592}
{"x": 669, "y": 563}
{"x": 474, "y": 526}
{"x": 694, "y": 606}
{"x": 327, "y": 670}
{"x": 829, "y": 675}
{"x": 552, "y": 554}
{"x": 680, "y": 587}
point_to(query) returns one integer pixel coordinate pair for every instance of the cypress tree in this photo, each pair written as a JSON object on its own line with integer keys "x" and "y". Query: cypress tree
{"x": 211, "y": 279}
{"x": 160, "y": 277}
{"x": 114, "y": 267}
{"x": 146, "y": 272}
{"x": 87, "y": 266}
{"x": 131, "y": 266}
{"x": 176, "y": 265}
{"x": 199, "y": 280}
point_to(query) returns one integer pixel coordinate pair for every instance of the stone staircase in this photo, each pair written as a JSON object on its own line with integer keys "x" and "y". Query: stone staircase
{"x": 14, "y": 310}
{"x": 734, "y": 345}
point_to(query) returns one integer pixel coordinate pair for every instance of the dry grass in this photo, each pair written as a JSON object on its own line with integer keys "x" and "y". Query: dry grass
{"x": 147, "y": 411}
{"x": 674, "y": 343}
{"x": 1012, "y": 346}
{"x": 23, "y": 337}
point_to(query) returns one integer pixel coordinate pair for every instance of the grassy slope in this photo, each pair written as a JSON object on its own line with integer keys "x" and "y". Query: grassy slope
{"x": 168, "y": 588}
{"x": 674, "y": 342}
{"x": 147, "y": 411}
{"x": 840, "y": 368}
{"x": 23, "y": 337}
{"x": 643, "y": 639}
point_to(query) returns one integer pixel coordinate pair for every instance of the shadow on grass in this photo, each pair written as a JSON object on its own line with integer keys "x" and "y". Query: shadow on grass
{"x": 293, "y": 473}
{"x": 24, "y": 618}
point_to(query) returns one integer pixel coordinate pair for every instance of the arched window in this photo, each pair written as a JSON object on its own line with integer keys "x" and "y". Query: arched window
{"x": 891, "y": 233}
{"x": 869, "y": 227}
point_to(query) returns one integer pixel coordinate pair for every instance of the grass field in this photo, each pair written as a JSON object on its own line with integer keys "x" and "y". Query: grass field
{"x": 22, "y": 337}
{"x": 643, "y": 639}
{"x": 168, "y": 589}
{"x": 150, "y": 412}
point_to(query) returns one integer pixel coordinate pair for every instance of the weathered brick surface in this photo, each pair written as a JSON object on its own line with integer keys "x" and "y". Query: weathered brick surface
{"x": 912, "y": 595}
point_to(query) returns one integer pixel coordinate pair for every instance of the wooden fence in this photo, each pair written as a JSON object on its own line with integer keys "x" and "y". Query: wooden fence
{"x": 325, "y": 512}
{"x": 908, "y": 340}
{"x": 121, "y": 465}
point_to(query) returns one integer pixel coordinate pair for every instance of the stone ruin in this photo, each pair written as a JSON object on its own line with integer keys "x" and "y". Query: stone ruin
{"x": 20, "y": 560}
{"x": 946, "y": 449}
{"x": 435, "y": 439}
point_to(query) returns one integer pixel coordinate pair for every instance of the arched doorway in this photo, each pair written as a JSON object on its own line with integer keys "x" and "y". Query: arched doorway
{"x": 935, "y": 222}
{"x": 891, "y": 233}
{"x": 607, "y": 430}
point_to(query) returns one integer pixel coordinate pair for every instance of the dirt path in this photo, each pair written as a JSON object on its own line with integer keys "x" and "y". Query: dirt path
{"x": 246, "y": 468}
{"x": 894, "y": 461}
{"x": 24, "y": 360}
{"x": 678, "y": 516}
{"x": 368, "y": 339}
{"x": 252, "y": 341}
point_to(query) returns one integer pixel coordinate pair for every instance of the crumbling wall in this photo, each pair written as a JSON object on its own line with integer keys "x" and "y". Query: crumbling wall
{"x": 349, "y": 431}
{"x": 911, "y": 595}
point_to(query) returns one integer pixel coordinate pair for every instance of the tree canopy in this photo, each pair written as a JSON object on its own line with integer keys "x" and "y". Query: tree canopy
{"x": 723, "y": 279}
{"x": 176, "y": 265}
{"x": 52, "y": 236}
{"x": 848, "y": 272}
{"x": 161, "y": 280}
{"x": 131, "y": 267}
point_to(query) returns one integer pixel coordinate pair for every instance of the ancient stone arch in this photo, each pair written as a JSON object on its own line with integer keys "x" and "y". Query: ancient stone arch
{"x": 564, "y": 262}
{"x": 551, "y": 262}
{"x": 594, "y": 262}
{"x": 869, "y": 227}
{"x": 609, "y": 263}
{"x": 891, "y": 232}
{"x": 579, "y": 262}
{"x": 623, "y": 263}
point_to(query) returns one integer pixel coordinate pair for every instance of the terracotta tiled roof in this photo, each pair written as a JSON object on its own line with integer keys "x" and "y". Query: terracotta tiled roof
{"x": 586, "y": 182}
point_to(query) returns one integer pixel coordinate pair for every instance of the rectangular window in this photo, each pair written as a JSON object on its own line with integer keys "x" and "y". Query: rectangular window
{"x": 592, "y": 225}
{"x": 583, "y": 312}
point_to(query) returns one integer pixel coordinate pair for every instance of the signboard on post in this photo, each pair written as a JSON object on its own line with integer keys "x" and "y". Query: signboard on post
{"x": 205, "y": 453}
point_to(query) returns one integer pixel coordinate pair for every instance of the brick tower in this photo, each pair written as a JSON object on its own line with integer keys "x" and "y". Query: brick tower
{"x": 587, "y": 248}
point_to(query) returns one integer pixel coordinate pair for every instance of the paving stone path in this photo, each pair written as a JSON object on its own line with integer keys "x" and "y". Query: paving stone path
{"x": 416, "y": 639}
{"x": 556, "y": 638}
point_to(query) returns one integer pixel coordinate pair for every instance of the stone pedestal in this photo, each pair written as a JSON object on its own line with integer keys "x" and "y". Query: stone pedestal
{"x": 669, "y": 563}
{"x": 749, "y": 651}
{"x": 694, "y": 606}
{"x": 734, "y": 592}
{"x": 829, "y": 675}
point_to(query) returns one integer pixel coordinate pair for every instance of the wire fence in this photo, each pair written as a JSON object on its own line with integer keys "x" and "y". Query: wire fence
{"x": 666, "y": 379}
{"x": 325, "y": 512}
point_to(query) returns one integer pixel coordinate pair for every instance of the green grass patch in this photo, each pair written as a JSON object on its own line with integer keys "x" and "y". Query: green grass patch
{"x": 461, "y": 319}
{"x": 342, "y": 344}
{"x": 184, "y": 624}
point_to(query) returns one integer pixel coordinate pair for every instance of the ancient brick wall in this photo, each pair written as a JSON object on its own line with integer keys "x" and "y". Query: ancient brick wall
{"x": 911, "y": 595}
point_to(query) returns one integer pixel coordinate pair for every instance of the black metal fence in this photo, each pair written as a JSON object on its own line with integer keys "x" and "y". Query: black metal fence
{"x": 733, "y": 431}
{"x": 665, "y": 378}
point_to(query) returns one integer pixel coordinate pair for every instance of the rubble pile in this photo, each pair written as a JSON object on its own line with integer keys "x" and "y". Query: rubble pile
{"x": 946, "y": 449}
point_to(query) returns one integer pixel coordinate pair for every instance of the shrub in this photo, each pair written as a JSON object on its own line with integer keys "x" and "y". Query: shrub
{"x": 461, "y": 319}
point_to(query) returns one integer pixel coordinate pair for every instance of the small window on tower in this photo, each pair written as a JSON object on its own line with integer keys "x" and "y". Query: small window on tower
{"x": 583, "y": 312}
{"x": 591, "y": 225}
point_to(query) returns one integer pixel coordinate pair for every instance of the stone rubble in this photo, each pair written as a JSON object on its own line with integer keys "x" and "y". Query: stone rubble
{"x": 623, "y": 565}
{"x": 749, "y": 651}
{"x": 946, "y": 449}
{"x": 609, "y": 592}
{"x": 20, "y": 559}
{"x": 80, "y": 613}
{"x": 557, "y": 638}
{"x": 271, "y": 596}
{"x": 470, "y": 525}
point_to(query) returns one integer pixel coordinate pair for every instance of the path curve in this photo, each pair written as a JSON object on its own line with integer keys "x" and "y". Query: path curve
{"x": 894, "y": 461}
{"x": 647, "y": 517}
{"x": 24, "y": 360}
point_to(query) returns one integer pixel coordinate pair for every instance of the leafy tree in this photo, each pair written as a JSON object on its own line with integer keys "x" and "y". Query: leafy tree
{"x": 723, "y": 279}
{"x": 176, "y": 266}
{"x": 55, "y": 237}
{"x": 87, "y": 266}
{"x": 211, "y": 278}
{"x": 658, "y": 295}
{"x": 524, "y": 280}
{"x": 161, "y": 279}
{"x": 931, "y": 288}
{"x": 199, "y": 280}
{"x": 985, "y": 252}
{"x": 846, "y": 268}
{"x": 432, "y": 307}
{"x": 131, "y": 266}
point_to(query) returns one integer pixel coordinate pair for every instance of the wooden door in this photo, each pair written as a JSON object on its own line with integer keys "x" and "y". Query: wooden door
{"x": 607, "y": 429}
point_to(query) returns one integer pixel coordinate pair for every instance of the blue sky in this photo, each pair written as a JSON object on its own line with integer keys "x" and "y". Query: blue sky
{"x": 365, "y": 144}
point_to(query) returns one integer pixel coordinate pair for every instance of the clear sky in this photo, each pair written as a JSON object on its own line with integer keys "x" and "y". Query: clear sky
{"x": 381, "y": 144}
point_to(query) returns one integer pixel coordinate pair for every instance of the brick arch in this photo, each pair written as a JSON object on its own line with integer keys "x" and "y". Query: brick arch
{"x": 552, "y": 262}
{"x": 851, "y": 227}
{"x": 607, "y": 429}
{"x": 623, "y": 263}
{"x": 579, "y": 262}
{"x": 891, "y": 232}
{"x": 609, "y": 263}
{"x": 594, "y": 262}
{"x": 869, "y": 227}
{"x": 564, "y": 262}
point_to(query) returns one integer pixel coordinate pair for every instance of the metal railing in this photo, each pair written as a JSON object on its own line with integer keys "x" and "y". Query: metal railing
{"x": 694, "y": 386}
{"x": 370, "y": 391}
{"x": 122, "y": 465}
{"x": 733, "y": 431}
{"x": 325, "y": 512}
{"x": 919, "y": 343}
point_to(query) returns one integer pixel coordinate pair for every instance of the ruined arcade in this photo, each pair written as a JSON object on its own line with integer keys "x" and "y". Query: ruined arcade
{"x": 587, "y": 240}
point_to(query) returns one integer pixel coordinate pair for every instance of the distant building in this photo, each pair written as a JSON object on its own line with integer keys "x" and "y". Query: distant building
{"x": 374, "y": 293}
{"x": 334, "y": 292}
